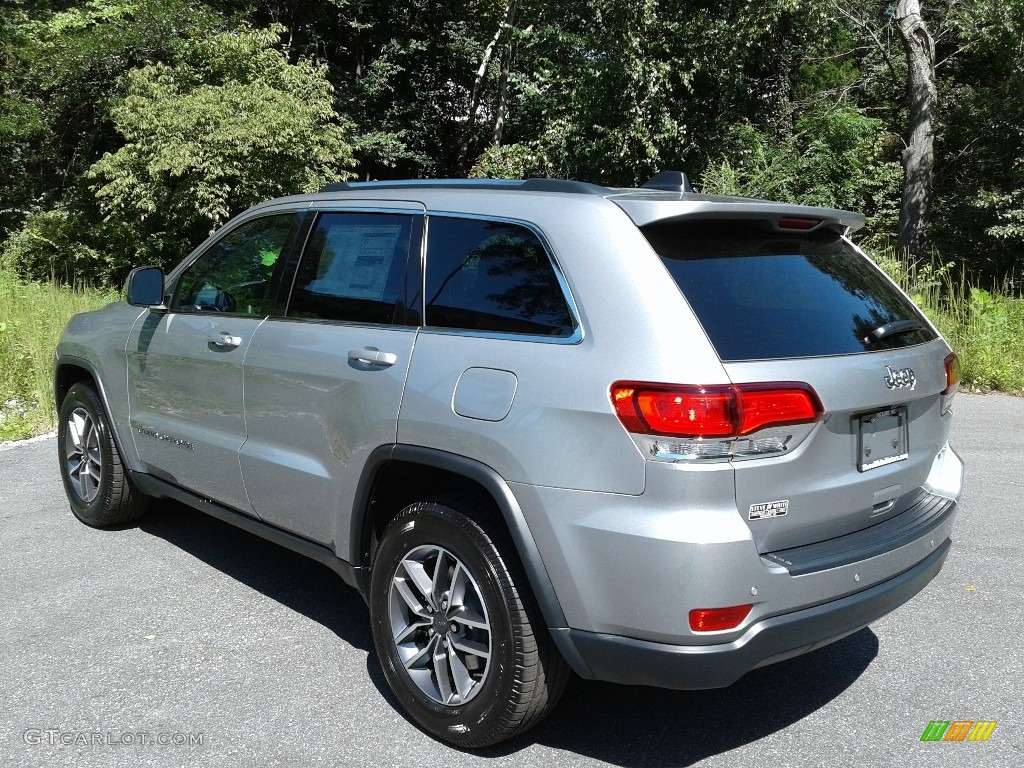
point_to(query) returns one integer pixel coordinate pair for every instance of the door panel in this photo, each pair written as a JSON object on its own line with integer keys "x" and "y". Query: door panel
{"x": 185, "y": 362}
{"x": 323, "y": 386}
{"x": 314, "y": 412}
{"x": 185, "y": 396}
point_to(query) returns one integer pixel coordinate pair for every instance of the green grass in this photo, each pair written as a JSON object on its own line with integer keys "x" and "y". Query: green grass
{"x": 984, "y": 327}
{"x": 32, "y": 316}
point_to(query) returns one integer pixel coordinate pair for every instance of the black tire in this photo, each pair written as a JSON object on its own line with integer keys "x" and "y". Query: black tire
{"x": 95, "y": 480}
{"x": 501, "y": 694}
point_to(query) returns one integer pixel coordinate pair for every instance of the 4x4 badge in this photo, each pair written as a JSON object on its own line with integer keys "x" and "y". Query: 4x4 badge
{"x": 904, "y": 378}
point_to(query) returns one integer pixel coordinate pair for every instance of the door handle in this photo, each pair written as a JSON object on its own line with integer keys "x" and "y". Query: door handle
{"x": 372, "y": 356}
{"x": 224, "y": 340}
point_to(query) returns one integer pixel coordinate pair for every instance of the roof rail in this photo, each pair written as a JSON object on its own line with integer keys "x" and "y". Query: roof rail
{"x": 669, "y": 181}
{"x": 563, "y": 185}
{"x": 527, "y": 185}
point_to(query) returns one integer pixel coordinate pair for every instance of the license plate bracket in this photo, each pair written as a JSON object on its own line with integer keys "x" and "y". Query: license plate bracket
{"x": 883, "y": 438}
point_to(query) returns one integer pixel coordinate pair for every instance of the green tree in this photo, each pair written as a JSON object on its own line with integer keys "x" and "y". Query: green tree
{"x": 205, "y": 138}
{"x": 62, "y": 69}
{"x": 164, "y": 117}
{"x": 979, "y": 182}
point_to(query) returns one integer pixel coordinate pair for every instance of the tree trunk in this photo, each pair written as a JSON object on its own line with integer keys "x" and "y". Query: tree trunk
{"x": 481, "y": 73}
{"x": 501, "y": 105}
{"x": 777, "y": 87}
{"x": 922, "y": 98}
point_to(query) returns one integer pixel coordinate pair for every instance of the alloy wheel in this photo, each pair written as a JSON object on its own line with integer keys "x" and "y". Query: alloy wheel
{"x": 82, "y": 454}
{"x": 439, "y": 625}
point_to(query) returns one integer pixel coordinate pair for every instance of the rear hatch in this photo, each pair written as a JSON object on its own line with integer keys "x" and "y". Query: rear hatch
{"x": 789, "y": 300}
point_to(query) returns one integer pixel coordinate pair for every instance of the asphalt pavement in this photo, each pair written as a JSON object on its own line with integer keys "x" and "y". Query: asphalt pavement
{"x": 185, "y": 642}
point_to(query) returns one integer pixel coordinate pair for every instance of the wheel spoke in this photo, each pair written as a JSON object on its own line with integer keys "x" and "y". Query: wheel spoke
{"x": 75, "y": 426}
{"x": 441, "y": 582}
{"x": 418, "y": 575}
{"x": 442, "y": 673}
{"x": 471, "y": 647}
{"x": 469, "y": 618}
{"x": 460, "y": 675}
{"x": 93, "y": 446}
{"x": 409, "y": 597}
{"x": 89, "y": 482}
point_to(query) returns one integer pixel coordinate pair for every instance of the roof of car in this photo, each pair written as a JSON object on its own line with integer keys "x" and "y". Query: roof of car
{"x": 667, "y": 196}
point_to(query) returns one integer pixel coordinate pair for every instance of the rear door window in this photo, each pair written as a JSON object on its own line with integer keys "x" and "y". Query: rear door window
{"x": 761, "y": 294}
{"x": 492, "y": 276}
{"x": 353, "y": 269}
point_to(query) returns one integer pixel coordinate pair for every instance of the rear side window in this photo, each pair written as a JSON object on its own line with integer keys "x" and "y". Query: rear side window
{"x": 766, "y": 295}
{"x": 492, "y": 276}
{"x": 353, "y": 268}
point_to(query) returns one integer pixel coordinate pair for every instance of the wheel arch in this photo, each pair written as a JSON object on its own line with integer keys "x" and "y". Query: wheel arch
{"x": 69, "y": 371}
{"x": 398, "y": 475}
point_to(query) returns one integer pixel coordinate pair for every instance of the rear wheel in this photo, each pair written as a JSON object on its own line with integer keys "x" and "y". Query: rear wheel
{"x": 94, "y": 478}
{"x": 456, "y": 629}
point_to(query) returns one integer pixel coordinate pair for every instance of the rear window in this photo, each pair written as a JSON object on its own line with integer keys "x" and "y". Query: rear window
{"x": 763, "y": 295}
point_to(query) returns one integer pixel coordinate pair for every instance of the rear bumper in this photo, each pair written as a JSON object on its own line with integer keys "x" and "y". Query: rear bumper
{"x": 639, "y": 662}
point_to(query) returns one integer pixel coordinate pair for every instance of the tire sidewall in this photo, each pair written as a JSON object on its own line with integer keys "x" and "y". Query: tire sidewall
{"x": 436, "y": 524}
{"x": 81, "y": 396}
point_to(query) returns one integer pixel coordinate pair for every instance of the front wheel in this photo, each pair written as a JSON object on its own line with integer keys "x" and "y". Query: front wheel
{"x": 95, "y": 480}
{"x": 456, "y": 628}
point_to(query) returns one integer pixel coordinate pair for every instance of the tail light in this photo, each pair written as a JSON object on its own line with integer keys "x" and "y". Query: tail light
{"x": 952, "y": 365}
{"x": 716, "y": 422}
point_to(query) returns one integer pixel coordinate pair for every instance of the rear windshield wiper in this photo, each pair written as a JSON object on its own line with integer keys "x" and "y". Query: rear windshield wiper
{"x": 895, "y": 328}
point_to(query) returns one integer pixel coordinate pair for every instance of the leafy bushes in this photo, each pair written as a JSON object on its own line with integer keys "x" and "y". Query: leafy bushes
{"x": 837, "y": 159}
{"x": 207, "y": 138}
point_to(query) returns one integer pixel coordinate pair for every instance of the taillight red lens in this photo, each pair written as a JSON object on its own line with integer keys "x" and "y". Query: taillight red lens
{"x": 715, "y": 619}
{"x": 704, "y": 412}
{"x": 771, "y": 405}
{"x": 716, "y": 411}
{"x": 952, "y": 363}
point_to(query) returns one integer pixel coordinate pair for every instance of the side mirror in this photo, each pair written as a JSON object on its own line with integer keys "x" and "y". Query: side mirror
{"x": 145, "y": 287}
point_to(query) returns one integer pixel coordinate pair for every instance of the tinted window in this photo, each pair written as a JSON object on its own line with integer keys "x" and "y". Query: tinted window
{"x": 240, "y": 272}
{"x": 353, "y": 268}
{"x": 492, "y": 276}
{"x": 765, "y": 295}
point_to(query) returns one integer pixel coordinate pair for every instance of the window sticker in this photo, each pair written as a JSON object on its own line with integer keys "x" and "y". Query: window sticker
{"x": 356, "y": 261}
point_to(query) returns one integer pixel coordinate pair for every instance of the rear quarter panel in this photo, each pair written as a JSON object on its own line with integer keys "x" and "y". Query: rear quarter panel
{"x": 561, "y": 430}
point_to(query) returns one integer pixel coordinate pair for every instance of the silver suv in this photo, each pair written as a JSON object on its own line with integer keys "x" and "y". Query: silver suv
{"x": 646, "y": 435}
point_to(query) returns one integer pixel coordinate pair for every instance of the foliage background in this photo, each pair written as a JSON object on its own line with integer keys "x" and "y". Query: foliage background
{"x": 132, "y": 128}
